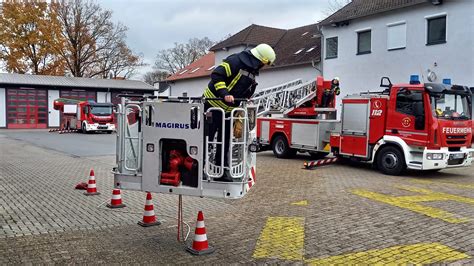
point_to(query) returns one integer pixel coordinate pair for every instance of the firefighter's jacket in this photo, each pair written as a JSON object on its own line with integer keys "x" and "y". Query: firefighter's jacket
{"x": 333, "y": 90}
{"x": 234, "y": 76}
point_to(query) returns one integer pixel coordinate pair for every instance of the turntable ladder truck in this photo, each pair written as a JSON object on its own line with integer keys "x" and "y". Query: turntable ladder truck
{"x": 406, "y": 126}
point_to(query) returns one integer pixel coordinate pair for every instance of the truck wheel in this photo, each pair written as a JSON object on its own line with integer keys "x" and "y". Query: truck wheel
{"x": 281, "y": 149}
{"x": 83, "y": 129}
{"x": 390, "y": 161}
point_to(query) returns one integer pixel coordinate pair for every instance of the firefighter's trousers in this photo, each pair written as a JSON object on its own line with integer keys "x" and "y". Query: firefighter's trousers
{"x": 216, "y": 127}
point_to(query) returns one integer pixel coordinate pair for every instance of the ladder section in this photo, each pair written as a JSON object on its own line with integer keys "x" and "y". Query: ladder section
{"x": 271, "y": 99}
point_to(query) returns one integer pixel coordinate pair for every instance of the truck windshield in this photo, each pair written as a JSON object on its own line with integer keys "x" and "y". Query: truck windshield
{"x": 450, "y": 106}
{"x": 101, "y": 110}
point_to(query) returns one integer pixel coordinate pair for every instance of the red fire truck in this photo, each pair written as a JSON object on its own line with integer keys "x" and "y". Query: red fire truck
{"x": 415, "y": 126}
{"x": 85, "y": 115}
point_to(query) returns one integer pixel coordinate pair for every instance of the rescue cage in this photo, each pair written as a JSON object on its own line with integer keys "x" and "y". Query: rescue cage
{"x": 164, "y": 146}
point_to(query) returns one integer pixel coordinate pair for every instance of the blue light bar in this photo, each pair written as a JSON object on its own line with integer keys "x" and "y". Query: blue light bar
{"x": 414, "y": 79}
{"x": 447, "y": 81}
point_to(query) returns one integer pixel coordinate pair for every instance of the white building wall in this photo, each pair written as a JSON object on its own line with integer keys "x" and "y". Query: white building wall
{"x": 3, "y": 108}
{"x": 222, "y": 54}
{"x": 453, "y": 59}
{"x": 101, "y": 97}
{"x": 193, "y": 87}
{"x": 269, "y": 78}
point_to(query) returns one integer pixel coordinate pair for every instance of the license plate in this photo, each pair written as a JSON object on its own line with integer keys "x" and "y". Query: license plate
{"x": 457, "y": 156}
{"x": 102, "y": 127}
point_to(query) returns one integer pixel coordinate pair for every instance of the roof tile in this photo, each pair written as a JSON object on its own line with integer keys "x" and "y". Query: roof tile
{"x": 362, "y": 8}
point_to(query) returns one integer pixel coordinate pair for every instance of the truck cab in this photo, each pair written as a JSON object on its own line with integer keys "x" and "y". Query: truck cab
{"x": 94, "y": 116}
{"x": 416, "y": 126}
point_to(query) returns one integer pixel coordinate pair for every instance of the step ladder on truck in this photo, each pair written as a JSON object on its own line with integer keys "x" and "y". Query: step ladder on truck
{"x": 164, "y": 146}
{"x": 406, "y": 126}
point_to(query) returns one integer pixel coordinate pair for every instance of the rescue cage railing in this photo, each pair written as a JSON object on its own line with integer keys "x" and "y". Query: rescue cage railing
{"x": 125, "y": 137}
{"x": 129, "y": 138}
{"x": 236, "y": 164}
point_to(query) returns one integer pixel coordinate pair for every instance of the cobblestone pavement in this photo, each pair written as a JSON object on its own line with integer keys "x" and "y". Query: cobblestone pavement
{"x": 333, "y": 214}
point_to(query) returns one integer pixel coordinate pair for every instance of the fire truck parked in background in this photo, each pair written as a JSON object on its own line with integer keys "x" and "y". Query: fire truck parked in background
{"x": 416, "y": 126}
{"x": 85, "y": 115}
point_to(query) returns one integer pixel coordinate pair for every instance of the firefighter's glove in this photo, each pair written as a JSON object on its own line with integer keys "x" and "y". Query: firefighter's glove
{"x": 337, "y": 90}
{"x": 238, "y": 125}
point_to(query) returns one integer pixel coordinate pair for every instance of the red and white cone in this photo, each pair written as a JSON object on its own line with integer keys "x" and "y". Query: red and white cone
{"x": 91, "y": 185}
{"x": 116, "y": 201}
{"x": 200, "y": 244}
{"x": 149, "y": 218}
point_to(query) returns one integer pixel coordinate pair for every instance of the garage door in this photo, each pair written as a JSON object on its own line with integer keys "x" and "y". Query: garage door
{"x": 79, "y": 95}
{"x": 27, "y": 108}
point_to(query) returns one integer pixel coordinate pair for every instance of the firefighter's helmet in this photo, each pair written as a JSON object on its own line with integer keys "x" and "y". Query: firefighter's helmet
{"x": 264, "y": 53}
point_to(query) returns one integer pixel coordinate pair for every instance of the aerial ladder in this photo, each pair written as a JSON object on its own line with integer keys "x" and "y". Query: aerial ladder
{"x": 294, "y": 98}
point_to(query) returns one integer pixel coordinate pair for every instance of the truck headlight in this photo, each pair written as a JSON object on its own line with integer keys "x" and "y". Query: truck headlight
{"x": 434, "y": 156}
{"x": 471, "y": 154}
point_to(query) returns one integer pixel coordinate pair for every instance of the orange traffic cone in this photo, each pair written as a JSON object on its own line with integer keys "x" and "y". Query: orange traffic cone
{"x": 116, "y": 201}
{"x": 200, "y": 245}
{"x": 149, "y": 218}
{"x": 91, "y": 186}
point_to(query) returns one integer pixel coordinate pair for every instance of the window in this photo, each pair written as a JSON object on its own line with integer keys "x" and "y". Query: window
{"x": 407, "y": 101}
{"x": 396, "y": 36}
{"x": 364, "y": 42}
{"x": 331, "y": 47}
{"x": 411, "y": 103}
{"x": 436, "y": 30}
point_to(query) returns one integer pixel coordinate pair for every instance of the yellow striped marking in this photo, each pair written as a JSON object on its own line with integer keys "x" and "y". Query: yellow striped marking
{"x": 439, "y": 183}
{"x": 227, "y": 68}
{"x": 220, "y": 85}
{"x": 423, "y": 253}
{"x": 412, "y": 202}
{"x": 300, "y": 203}
{"x": 234, "y": 81}
{"x": 281, "y": 238}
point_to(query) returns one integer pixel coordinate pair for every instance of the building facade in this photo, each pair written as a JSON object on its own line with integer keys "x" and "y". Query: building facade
{"x": 26, "y": 101}
{"x": 367, "y": 40}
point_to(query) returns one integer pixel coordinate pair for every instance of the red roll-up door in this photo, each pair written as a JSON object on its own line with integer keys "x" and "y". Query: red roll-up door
{"x": 80, "y": 95}
{"x": 27, "y": 108}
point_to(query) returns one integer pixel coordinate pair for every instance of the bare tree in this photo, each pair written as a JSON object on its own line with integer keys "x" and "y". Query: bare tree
{"x": 182, "y": 54}
{"x": 94, "y": 45}
{"x": 335, "y": 5}
{"x": 154, "y": 76}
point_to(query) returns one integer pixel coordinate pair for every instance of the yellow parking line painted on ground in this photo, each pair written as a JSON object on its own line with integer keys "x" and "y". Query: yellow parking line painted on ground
{"x": 300, "y": 203}
{"x": 423, "y": 253}
{"x": 281, "y": 238}
{"x": 449, "y": 184}
{"x": 412, "y": 202}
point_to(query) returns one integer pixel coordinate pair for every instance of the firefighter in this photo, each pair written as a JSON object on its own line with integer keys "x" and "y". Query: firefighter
{"x": 328, "y": 94}
{"x": 234, "y": 78}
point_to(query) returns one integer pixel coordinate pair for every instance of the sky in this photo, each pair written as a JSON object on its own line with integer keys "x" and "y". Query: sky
{"x": 154, "y": 25}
